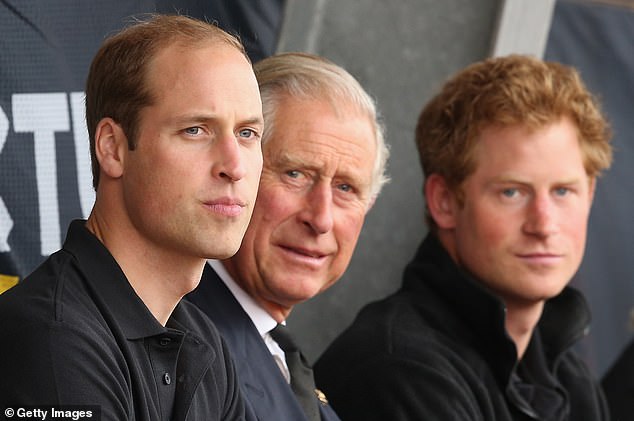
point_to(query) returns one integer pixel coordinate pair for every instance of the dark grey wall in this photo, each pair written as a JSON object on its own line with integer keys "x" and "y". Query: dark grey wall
{"x": 401, "y": 51}
{"x": 597, "y": 38}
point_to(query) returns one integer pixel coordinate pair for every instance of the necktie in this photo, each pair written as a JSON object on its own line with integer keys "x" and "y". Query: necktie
{"x": 302, "y": 381}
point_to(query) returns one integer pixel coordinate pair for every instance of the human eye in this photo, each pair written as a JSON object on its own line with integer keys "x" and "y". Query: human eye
{"x": 350, "y": 193}
{"x": 249, "y": 134}
{"x": 348, "y": 187}
{"x": 293, "y": 174}
{"x": 294, "y": 178}
{"x": 562, "y": 191}
{"x": 345, "y": 187}
{"x": 510, "y": 192}
{"x": 193, "y": 131}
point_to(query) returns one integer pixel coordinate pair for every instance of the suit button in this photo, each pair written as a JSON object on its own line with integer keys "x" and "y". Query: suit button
{"x": 167, "y": 379}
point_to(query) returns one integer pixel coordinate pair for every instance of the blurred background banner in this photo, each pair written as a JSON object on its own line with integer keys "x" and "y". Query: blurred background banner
{"x": 401, "y": 51}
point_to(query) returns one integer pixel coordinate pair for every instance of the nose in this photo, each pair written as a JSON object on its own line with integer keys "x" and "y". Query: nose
{"x": 228, "y": 160}
{"x": 541, "y": 218}
{"x": 317, "y": 213}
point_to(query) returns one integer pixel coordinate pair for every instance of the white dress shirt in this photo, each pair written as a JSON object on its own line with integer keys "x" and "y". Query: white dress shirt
{"x": 262, "y": 320}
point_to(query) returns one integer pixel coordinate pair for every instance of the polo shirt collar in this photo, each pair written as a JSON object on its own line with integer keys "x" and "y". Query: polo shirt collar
{"x": 104, "y": 277}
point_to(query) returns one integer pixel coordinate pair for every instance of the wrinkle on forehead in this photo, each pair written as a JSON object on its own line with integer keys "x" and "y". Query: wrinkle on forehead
{"x": 329, "y": 155}
{"x": 311, "y": 135}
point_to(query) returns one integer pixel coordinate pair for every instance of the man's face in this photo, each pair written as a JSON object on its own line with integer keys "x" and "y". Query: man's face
{"x": 313, "y": 197}
{"x": 522, "y": 228}
{"x": 190, "y": 185}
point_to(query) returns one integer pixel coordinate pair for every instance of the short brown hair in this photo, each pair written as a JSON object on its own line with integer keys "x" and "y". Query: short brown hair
{"x": 116, "y": 84}
{"x": 503, "y": 92}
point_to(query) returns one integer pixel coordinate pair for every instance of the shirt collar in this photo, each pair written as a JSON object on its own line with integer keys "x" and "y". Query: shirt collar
{"x": 112, "y": 289}
{"x": 564, "y": 320}
{"x": 261, "y": 318}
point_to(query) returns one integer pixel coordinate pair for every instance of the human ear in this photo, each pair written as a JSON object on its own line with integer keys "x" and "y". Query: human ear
{"x": 440, "y": 201}
{"x": 110, "y": 146}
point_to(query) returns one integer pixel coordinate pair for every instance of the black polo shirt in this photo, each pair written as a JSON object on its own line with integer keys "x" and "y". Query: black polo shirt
{"x": 74, "y": 332}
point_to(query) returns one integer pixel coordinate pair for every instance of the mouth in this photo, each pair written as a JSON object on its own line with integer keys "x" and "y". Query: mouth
{"x": 545, "y": 259}
{"x": 225, "y": 206}
{"x": 304, "y": 255}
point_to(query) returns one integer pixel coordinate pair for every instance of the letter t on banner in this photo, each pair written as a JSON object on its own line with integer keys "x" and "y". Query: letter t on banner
{"x": 43, "y": 115}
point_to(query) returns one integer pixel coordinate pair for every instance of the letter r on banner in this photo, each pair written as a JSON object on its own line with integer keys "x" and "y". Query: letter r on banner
{"x": 6, "y": 223}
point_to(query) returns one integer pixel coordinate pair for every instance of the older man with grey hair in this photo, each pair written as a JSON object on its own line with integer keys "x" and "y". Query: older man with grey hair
{"x": 324, "y": 163}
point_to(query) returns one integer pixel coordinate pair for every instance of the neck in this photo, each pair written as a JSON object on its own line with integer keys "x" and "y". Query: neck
{"x": 521, "y": 320}
{"x": 521, "y": 316}
{"x": 276, "y": 310}
{"x": 158, "y": 276}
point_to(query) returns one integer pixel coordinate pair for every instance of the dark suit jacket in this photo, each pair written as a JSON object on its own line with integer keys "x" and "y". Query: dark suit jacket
{"x": 267, "y": 393}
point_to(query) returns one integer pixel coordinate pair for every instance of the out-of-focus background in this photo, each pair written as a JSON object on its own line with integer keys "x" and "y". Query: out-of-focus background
{"x": 401, "y": 51}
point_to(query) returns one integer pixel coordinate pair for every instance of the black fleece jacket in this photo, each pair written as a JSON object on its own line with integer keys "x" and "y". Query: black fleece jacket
{"x": 437, "y": 349}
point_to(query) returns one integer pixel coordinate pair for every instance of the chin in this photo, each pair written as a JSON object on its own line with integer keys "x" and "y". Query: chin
{"x": 223, "y": 253}
{"x": 546, "y": 294}
{"x": 302, "y": 292}
{"x": 227, "y": 253}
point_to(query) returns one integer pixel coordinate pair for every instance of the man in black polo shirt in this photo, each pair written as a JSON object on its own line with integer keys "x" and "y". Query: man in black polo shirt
{"x": 174, "y": 117}
{"x": 484, "y": 323}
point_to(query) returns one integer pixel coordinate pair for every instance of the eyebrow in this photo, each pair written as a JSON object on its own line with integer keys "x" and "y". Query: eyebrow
{"x": 253, "y": 120}
{"x": 188, "y": 118}
{"x": 511, "y": 179}
{"x": 284, "y": 159}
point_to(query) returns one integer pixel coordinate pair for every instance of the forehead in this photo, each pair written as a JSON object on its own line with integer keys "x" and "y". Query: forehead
{"x": 549, "y": 149}
{"x": 194, "y": 66}
{"x": 313, "y": 133}
{"x": 211, "y": 79}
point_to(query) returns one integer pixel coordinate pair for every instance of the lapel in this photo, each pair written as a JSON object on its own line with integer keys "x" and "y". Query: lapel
{"x": 327, "y": 413}
{"x": 261, "y": 381}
